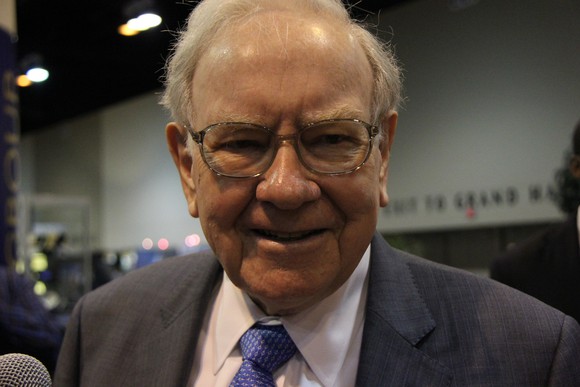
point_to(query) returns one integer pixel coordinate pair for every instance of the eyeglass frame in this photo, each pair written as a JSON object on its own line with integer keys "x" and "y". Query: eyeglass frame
{"x": 198, "y": 136}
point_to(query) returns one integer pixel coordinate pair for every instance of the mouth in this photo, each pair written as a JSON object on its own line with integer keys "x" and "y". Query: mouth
{"x": 287, "y": 236}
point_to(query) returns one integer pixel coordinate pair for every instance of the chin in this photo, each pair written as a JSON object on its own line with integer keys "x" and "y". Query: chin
{"x": 284, "y": 297}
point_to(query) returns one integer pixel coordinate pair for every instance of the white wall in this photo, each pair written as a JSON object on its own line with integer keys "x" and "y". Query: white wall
{"x": 493, "y": 95}
{"x": 64, "y": 161}
{"x": 116, "y": 158}
{"x": 141, "y": 192}
{"x": 8, "y": 15}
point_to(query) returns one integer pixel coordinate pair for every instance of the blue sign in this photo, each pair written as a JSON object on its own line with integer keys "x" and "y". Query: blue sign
{"x": 9, "y": 151}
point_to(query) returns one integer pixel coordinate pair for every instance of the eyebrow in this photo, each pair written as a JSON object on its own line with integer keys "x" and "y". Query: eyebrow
{"x": 341, "y": 111}
{"x": 337, "y": 112}
{"x": 235, "y": 117}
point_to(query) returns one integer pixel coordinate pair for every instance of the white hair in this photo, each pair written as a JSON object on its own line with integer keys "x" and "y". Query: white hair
{"x": 210, "y": 16}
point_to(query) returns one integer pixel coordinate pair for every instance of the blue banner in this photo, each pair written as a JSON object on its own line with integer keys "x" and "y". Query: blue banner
{"x": 9, "y": 149}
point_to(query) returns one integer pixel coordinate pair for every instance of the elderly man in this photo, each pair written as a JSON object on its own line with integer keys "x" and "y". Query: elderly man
{"x": 285, "y": 113}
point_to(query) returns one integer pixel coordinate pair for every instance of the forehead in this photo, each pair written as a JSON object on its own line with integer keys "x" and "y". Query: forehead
{"x": 284, "y": 34}
{"x": 284, "y": 51}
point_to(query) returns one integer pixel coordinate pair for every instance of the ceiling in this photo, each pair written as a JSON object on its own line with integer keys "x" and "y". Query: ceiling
{"x": 91, "y": 65}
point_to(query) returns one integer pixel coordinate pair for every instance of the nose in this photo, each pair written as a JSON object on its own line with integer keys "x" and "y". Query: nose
{"x": 286, "y": 184}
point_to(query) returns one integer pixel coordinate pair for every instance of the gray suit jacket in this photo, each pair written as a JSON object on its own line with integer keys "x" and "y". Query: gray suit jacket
{"x": 426, "y": 325}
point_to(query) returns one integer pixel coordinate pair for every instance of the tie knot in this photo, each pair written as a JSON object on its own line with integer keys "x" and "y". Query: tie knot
{"x": 269, "y": 346}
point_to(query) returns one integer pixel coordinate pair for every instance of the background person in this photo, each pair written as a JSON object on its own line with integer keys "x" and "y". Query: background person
{"x": 285, "y": 114}
{"x": 547, "y": 265}
{"x": 26, "y": 325}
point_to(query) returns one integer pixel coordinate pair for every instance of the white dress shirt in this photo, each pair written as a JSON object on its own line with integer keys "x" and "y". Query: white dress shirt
{"x": 578, "y": 223}
{"x": 328, "y": 336}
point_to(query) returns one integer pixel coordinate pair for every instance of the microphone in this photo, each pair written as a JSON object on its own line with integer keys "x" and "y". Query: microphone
{"x": 19, "y": 370}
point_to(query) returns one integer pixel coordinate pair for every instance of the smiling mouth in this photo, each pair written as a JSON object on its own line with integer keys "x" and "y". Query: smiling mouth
{"x": 287, "y": 236}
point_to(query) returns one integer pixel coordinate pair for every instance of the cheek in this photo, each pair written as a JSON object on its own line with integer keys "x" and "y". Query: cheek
{"x": 221, "y": 203}
{"x": 359, "y": 201}
{"x": 360, "y": 195}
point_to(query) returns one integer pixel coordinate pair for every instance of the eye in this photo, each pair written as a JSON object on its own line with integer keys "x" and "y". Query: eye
{"x": 235, "y": 139}
{"x": 333, "y": 139}
{"x": 330, "y": 136}
{"x": 241, "y": 145}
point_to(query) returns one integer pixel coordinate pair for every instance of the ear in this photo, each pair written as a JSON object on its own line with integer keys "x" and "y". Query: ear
{"x": 389, "y": 126}
{"x": 176, "y": 136}
{"x": 575, "y": 166}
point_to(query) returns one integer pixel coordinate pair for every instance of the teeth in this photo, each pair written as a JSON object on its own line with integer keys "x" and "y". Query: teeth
{"x": 285, "y": 235}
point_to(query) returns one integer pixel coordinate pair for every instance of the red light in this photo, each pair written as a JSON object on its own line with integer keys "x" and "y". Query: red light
{"x": 470, "y": 213}
{"x": 192, "y": 240}
{"x": 163, "y": 244}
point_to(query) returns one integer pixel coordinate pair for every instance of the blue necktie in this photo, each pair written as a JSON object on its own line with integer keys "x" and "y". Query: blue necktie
{"x": 264, "y": 349}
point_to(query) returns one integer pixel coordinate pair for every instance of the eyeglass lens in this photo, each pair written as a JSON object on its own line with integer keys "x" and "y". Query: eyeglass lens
{"x": 243, "y": 150}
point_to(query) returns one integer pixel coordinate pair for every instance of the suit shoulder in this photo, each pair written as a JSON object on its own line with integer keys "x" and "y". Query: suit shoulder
{"x": 482, "y": 298}
{"x": 142, "y": 286}
{"x": 466, "y": 324}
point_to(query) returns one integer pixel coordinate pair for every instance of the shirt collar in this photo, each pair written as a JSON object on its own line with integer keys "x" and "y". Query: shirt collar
{"x": 237, "y": 313}
{"x": 578, "y": 224}
{"x": 322, "y": 333}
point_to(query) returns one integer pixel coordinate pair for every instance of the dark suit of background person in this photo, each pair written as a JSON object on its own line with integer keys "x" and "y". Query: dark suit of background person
{"x": 547, "y": 264}
{"x": 26, "y": 326}
{"x": 293, "y": 226}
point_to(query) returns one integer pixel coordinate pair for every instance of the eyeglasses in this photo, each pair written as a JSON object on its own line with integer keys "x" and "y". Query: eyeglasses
{"x": 243, "y": 150}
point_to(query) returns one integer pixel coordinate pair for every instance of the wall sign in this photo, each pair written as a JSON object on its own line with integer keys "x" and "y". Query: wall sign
{"x": 471, "y": 207}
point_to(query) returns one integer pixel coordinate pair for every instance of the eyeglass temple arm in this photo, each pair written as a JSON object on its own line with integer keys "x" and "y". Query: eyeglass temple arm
{"x": 196, "y": 136}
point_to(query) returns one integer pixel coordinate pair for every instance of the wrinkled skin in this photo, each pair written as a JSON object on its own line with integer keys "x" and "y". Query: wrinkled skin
{"x": 290, "y": 237}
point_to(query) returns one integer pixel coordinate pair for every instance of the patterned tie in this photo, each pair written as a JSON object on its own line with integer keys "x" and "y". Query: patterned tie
{"x": 264, "y": 349}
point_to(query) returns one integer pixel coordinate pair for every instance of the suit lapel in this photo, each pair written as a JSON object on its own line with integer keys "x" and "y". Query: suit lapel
{"x": 180, "y": 321}
{"x": 396, "y": 321}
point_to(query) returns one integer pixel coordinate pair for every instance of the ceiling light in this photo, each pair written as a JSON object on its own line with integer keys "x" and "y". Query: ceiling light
{"x": 144, "y": 22}
{"x": 23, "y": 81}
{"x": 126, "y": 31}
{"x": 37, "y": 74}
{"x": 33, "y": 69}
{"x": 141, "y": 17}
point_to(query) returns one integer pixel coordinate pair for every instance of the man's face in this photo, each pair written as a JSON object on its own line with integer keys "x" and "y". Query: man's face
{"x": 289, "y": 237}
